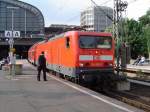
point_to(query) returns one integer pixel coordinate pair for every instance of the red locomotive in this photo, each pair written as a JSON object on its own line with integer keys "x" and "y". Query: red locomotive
{"x": 87, "y": 56}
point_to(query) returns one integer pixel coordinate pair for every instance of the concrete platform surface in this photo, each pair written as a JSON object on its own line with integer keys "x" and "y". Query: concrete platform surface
{"x": 146, "y": 68}
{"x": 23, "y": 93}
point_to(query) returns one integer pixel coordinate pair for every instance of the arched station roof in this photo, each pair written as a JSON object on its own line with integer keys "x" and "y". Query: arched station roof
{"x": 28, "y": 7}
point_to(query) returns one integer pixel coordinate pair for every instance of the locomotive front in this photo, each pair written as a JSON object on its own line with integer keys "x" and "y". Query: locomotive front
{"x": 96, "y": 55}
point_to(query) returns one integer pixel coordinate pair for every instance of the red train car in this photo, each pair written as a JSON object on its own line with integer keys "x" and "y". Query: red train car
{"x": 31, "y": 53}
{"x": 34, "y": 52}
{"x": 77, "y": 54}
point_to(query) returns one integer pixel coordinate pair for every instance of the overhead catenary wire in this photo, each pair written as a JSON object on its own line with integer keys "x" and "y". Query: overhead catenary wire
{"x": 105, "y": 13}
{"x": 104, "y": 3}
{"x": 73, "y": 17}
{"x": 77, "y": 15}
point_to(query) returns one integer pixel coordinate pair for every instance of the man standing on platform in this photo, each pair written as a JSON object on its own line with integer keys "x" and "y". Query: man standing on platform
{"x": 42, "y": 66}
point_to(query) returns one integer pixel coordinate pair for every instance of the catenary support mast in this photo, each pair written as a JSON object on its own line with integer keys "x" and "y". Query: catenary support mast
{"x": 119, "y": 7}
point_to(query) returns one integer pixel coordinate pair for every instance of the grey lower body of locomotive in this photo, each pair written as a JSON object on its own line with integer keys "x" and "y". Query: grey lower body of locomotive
{"x": 86, "y": 74}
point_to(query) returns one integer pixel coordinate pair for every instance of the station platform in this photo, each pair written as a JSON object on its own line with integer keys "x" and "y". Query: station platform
{"x": 143, "y": 68}
{"x": 23, "y": 93}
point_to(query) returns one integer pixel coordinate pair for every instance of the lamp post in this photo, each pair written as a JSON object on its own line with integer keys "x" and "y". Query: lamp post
{"x": 11, "y": 42}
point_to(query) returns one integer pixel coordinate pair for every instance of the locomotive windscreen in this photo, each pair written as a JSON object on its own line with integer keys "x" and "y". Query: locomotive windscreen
{"x": 95, "y": 42}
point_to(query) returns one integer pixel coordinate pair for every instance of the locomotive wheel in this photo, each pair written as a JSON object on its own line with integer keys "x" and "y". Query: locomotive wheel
{"x": 67, "y": 77}
{"x": 62, "y": 76}
{"x": 73, "y": 79}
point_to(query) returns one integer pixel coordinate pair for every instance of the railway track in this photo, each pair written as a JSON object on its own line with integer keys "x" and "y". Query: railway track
{"x": 131, "y": 99}
{"x": 138, "y": 96}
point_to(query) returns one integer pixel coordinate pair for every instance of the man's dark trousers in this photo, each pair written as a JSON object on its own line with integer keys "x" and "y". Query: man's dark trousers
{"x": 41, "y": 68}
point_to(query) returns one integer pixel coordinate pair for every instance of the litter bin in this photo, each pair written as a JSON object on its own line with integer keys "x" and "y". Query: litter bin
{"x": 18, "y": 69}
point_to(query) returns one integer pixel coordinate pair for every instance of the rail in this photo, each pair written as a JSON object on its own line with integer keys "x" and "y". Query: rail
{"x": 130, "y": 99}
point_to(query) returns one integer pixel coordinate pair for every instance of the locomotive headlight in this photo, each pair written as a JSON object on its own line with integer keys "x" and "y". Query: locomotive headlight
{"x": 110, "y": 64}
{"x": 81, "y": 64}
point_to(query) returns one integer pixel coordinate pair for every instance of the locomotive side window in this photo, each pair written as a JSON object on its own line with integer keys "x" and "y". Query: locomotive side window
{"x": 67, "y": 42}
{"x": 95, "y": 42}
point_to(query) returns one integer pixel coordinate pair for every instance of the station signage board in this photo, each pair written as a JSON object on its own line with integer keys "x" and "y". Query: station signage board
{"x": 10, "y": 34}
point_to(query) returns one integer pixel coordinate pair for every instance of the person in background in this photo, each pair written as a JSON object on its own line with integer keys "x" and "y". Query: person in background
{"x": 141, "y": 61}
{"x": 137, "y": 60}
{"x": 8, "y": 59}
{"x": 42, "y": 66}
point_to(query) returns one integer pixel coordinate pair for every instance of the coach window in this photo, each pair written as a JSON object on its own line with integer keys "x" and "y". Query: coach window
{"x": 68, "y": 42}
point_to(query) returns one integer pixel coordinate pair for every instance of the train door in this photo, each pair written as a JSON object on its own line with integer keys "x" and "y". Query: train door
{"x": 59, "y": 58}
{"x": 50, "y": 60}
{"x": 34, "y": 56}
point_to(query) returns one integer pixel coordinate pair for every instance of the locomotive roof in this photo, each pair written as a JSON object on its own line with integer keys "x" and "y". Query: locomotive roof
{"x": 37, "y": 43}
{"x": 79, "y": 32}
{"x": 57, "y": 36}
{"x": 71, "y": 32}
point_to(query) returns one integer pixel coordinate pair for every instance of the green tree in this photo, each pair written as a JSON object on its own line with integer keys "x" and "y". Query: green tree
{"x": 145, "y": 21}
{"x": 147, "y": 36}
{"x": 132, "y": 33}
{"x": 136, "y": 34}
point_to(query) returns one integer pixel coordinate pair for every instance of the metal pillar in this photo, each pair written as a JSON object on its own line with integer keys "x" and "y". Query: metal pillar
{"x": 119, "y": 7}
{"x": 11, "y": 43}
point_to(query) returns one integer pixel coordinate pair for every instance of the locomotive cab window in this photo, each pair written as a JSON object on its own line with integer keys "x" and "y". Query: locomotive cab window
{"x": 67, "y": 42}
{"x": 95, "y": 42}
